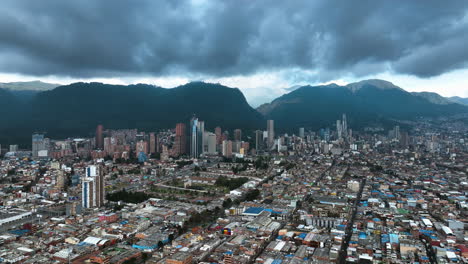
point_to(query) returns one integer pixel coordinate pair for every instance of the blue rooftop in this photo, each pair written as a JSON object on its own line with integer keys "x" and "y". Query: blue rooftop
{"x": 394, "y": 239}
{"x": 273, "y": 212}
{"x": 254, "y": 210}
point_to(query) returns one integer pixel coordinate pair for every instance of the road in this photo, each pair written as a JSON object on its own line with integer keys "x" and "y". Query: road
{"x": 349, "y": 227}
{"x": 179, "y": 188}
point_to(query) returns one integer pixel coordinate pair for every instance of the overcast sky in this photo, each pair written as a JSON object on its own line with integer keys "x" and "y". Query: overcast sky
{"x": 261, "y": 47}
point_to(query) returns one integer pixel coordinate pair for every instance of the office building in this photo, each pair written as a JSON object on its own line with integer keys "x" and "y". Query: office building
{"x": 344, "y": 124}
{"x": 404, "y": 139}
{"x": 397, "y": 132}
{"x": 301, "y": 132}
{"x": 60, "y": 180}
{"x": 236, "y": 146}
{"x": 40, "y": 145}
{"x": 339, "y": 129}
{"x": 201, "y": 135}
{"x": 180, "y": 140}
{"x": 245, "y": 147}
{"x": 180, "y": 258}
{"x": 219, "y": 135}
{"x": 197, "y": 128}
{"x": 13, "y": 148}
{"x": 227, "y": 148}
{"x": 271, "y": 134}
{"x": 142, "y": 147}
{"x": 258, "y": 140}
{"x": 152, "y": 143}
{"x": 93, "y": 187}
{"x": 238, "y": 135}
{"x": 211, "y": 143}
{"x": 99, "y": 137}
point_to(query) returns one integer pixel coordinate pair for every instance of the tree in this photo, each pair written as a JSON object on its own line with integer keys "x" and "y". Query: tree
{"x": 160, "y": 244}
{"x": 145, "y": 256}
{"x": 128, "y": 197}
{"x": 231, "y": 184}
{"x": 252, "y": 195}
{"x": 227, "y": 203}
{"x": 130, "y": 261}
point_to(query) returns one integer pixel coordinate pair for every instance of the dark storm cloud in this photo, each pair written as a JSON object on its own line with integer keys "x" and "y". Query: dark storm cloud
{"x": 89, "y": 38}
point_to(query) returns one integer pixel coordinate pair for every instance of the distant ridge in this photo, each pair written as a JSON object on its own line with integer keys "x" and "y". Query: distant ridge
{"x": 433, "y": 98}
{"x": 29, "y": 86}
{"x": 76, "y": 109}
{"x": 376, "y": 83}
{"x": 459, "y": 100}
{"x": 365, "y": 102}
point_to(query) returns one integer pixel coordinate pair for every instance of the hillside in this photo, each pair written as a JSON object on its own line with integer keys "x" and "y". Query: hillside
{"x": 76, "y": 109}
{"x": 365, "y": 102}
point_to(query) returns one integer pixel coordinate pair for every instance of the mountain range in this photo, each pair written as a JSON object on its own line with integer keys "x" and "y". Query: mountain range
{"x": 459, "y": 100}
{"x": 369, "y": 102}
{"x": 76, "y": 109}
{"x": 29, "y": 86}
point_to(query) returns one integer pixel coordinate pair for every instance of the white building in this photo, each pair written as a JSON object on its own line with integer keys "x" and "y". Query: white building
{"x": 92, "y": 189}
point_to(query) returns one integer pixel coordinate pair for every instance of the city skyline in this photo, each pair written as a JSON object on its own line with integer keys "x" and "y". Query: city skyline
{"x": 233, "y": 132}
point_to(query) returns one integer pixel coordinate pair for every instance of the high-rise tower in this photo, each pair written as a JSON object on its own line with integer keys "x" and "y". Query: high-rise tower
{"x": 301, "y": 132}
{"x": 180, "y": 140}
{"x": 92, "y": 189}
{"x": 197, "y": 128}
{"x": 258, "y": 140}
{"x": 219, "y": 135}
{"x": 237, "y": 135}
{"x": 152, "y": 143}
{"x": 40, "y": 145}
{"x": 339, "y": 128}
{"x": 99, "y": 137}
{"x": 271, "y": 133}
{"x": 345, "y": 126}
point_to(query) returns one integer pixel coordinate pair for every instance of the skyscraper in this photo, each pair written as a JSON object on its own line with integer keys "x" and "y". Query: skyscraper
{"x": 271, "y": 134}
{"x": 141, "y": 146}
{"x": 237, "y": 135}
{"x": 245, "y": 147}
{"x": 219, "y": 135}
{"x": 152, "y": 143}
{"x": 92, "y": 189}
{"x": 227, "y": 148}
{"x": 258, "y": 140}
{"x": 60, "y": 179}
{"x": 397, "y": 132}
{"x": 180, "y": 140}
{"x": 201, "y": 136}
{"x": 40, "y": 145}
{"x": 197, "y": 129}
{"x": 339, "y": 128}
{"x": 404, "y": 139}
{"x": 345, "y": 126}
{"x": 211, "y": 143}
{"x": 13, "y": 148}
{"x": 99, "y": 137}
{"x": 301, "y": 132}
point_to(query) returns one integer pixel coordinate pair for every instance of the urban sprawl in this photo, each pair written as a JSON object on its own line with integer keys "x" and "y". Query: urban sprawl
{"x": 188, "y": 195}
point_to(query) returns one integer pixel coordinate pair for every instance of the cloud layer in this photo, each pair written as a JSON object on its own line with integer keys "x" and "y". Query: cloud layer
{"x": 89, "y": 38}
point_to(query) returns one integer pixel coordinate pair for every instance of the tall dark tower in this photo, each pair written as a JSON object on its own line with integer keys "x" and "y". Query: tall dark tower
{"x": 237, "y": 135}
{"x": 180, "y": 139}
{"x": 99, "y": 137}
